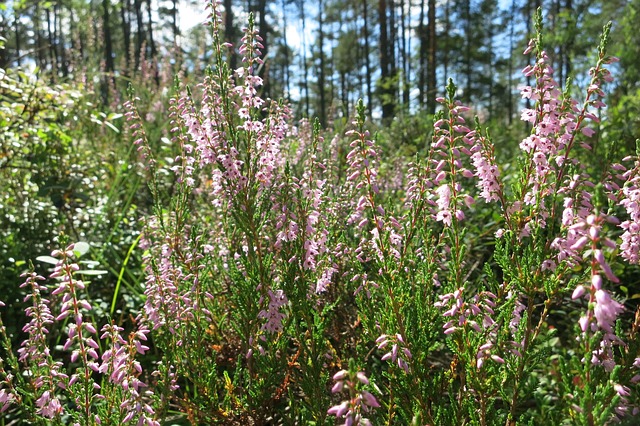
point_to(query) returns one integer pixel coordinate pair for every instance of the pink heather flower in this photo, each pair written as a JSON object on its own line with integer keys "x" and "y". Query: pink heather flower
{"x": 6, "y": 399}
{"x": 360, "y": 400}
{"x": 324, "y": 280}
{"x": 79, "y": 335}
{"x": 484, "y": 353}
{"x": 37, "y": 328}
{"x": 35, "y": 349}
{"x": 217, "y": 136}
{"x": 399, "y": 353}
{"x": 587, "y": 131}
{"x": 555, "y": 121}
{"x": 630, "y": 246}
{"x": 606, "y": 310}
{"x": 584, "y": 323}
{"x": 528, "y": 115}
{"x": 340, "y": 409}
{"x": 438, "y": 182}
{"x": 272, "y": 314}
{"x": 596, "y": 282}
{"x": 603, "y": 354}
{"x": 444, "y": 199}
{"x": 578, "y": 292}
{"x": 476, "y": 315}
{"x": 530, "y": 46}
{"x": 166, "y": 305}
{"x": 362, "y": 174}
{"x": 599, "y": 257}
{"x": 630, "y": 200}
{"x": 48, "y": 406}
{"x": 137, "y": 131}
{"x": 487, "y": 173}
{"x": 516, "y": 316}
{"x": 123, "y": 371}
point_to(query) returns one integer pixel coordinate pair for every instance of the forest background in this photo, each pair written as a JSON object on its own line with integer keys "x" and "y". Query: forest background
{"x": 68, "y": 165}
{"x": 322, "y": 57}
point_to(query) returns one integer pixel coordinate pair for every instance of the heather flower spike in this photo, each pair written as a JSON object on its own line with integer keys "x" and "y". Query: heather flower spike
{"x": 360, "y": 401}
{"x": 35, "y": 353}
{"x": 398, "y": 354}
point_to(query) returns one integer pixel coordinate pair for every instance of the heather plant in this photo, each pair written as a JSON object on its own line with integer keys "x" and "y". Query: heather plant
{"x": 296, "y": 277}
{"x": 59, "y": 384}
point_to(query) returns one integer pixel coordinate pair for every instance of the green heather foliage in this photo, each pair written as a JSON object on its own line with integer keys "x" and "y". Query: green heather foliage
{"x": 296, "y": 275}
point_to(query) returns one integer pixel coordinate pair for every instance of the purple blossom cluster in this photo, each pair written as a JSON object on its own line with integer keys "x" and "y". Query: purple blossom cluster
{"x": 166, "y": 305}
{"x": 52, "y": 387}
{"x": 557, "y": 121}
{"x": 35, "y": 353}
{"x": 452, "y": 146}
{"x": 360, "y": 400}
{"x": 272, "y": 314}
{"x": 384, "y": 239}
{"x": 8, "y": 394}
{"x": 302, "y": 207}
{"x": 399, "y": 353}
{"x": 486, "y": 166}
{"x": 475, "y": 316}
{"x": 221, "y": 129}
{"x": 577, "y": 207}
{"x": 137, "y": 131}
{"x": 603, "y": 309}
{"x": 630, "y": 200}
{"x": 6, "y": 399}
{"x": 362, "y": 174}
{"x": 184, "y": 165}
{"x": 123, "y": 371}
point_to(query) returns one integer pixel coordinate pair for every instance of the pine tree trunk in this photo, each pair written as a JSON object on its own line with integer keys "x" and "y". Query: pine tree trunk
{"x": 567, "y": 57}
{"x": 125, "y": 8}
{"x": 51, "y": 49}
{"x": 490, "y": 59}
{"x": 4, "y": 32}
{"x": 322, "y": 113}
{"x": 422, "y": 57}
{"x": 447, "y": 32}
{"x": 467, "y": 51}
{"x": 286, "y": 65}
{"x": 40, "y": 48}
{"x": 139, "y": 33}
{"x": 152, "y": 45}
{"x": 106, "y": 33}
{"x": 393, "y": 40}
{"x": 404, "y": 55}
{"x": 62, "y": 51}
{"x": 512, "y": 17}
{"x": 305, "y": 65}
{"x": 386, "y": 89}
{"x": 174, "y": 22}
{"x": 229, "y": 33}
{"x": 528, "y": 14}
{"x": 367, "y": 60}
{"x": 108, "y": 52}
{"x": 432, "y": 63}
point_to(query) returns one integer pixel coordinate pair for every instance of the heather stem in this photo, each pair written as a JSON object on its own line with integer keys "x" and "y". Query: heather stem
{"x": 511, "y": 418}
{"x": 87, "y": 388}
